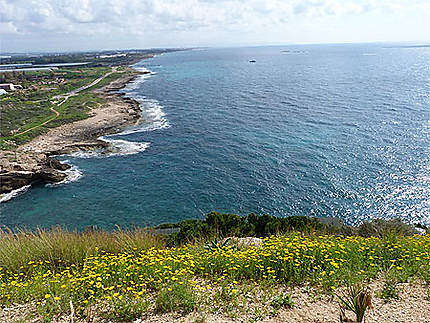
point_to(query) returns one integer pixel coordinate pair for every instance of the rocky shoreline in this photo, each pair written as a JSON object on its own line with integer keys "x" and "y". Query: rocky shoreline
{"x": 34, "y": 162}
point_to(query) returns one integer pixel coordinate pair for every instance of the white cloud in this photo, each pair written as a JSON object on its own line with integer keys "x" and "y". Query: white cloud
{"x": 149, "y": 22}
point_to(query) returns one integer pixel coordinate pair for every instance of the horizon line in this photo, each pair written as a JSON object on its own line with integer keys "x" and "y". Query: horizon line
{"x": 424, "y": 42}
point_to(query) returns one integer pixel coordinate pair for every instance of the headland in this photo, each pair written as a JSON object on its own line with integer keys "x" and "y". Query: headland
{"x": 61, "y": 111}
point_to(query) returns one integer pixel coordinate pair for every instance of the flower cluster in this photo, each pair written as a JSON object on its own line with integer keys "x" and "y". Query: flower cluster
{"x": 324, "y": 260}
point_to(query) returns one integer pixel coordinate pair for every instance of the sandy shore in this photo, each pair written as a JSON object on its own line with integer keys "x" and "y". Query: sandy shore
{"x": 118, "y": 113}
{"x": 32, "y": 162}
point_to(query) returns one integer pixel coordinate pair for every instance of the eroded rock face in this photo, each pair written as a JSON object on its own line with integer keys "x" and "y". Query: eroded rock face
{"x": 31, "y": 162}
{"x": 21, "y": 169}
{"x": 13, "y": 180}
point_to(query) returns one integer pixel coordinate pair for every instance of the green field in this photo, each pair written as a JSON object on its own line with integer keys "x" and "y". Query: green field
{"x": 30, "y": 107}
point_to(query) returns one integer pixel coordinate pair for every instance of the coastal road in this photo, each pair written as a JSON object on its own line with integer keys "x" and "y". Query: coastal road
{"x": 76, "y": 91}
{"x": 65, "y": 97}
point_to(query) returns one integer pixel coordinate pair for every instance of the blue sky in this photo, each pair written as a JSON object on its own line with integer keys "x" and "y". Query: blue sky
{"x": 54, "y": 25}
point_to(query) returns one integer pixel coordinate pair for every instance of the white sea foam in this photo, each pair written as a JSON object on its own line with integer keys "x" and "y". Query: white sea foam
{"x": 142, "y": 69}
{"x": 124, "y": 147}
{"x": 117, "y": 147}
{"x": 153, "y": 117}
{"x": 152, "y": 112}
{"x": 8, "y": 196}
{"x": 73, "y": 174}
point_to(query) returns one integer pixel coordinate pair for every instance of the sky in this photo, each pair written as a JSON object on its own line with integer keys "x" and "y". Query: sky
{"x": 69, "y": 25}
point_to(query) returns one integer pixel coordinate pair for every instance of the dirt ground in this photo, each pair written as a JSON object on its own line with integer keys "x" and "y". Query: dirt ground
{"x": 310, "y": 306}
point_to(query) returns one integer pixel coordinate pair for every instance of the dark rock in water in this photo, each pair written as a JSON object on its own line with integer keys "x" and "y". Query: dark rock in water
{"x": 49, "y": 175}
{"x": 25, "y": 169}
{"x": 56, "y": 164}
{"x": 13, "y": 180}
{"x": 16, "y": 179}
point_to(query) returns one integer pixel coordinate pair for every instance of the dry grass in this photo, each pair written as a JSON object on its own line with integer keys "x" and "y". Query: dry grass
{"x": 62, "y": 247}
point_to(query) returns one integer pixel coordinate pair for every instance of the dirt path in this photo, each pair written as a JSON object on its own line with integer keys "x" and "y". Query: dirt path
{"x": 66, "y": 96}
{"x": 76, "y": 91}
{"x": 115, "y": 114}
{"x": 42, "y": 124}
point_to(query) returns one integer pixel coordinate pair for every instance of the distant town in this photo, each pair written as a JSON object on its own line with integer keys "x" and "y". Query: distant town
{"x": 31, "y": 85}
{"x": 14, "y": 67}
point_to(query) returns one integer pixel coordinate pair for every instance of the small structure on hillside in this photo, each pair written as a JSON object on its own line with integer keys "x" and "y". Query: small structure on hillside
{"x": 10, "y": 86}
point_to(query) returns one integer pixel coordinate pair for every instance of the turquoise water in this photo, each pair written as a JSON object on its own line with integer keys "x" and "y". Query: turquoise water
{"x": 327, "y": 130}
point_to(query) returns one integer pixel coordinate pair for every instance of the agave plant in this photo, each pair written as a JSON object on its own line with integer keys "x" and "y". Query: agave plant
{"x": 216, "y": 244}
{"x": 357, "y": 299}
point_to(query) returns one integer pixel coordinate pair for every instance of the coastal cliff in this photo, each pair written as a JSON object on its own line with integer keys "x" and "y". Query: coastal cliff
{"x": 34, "y": 162}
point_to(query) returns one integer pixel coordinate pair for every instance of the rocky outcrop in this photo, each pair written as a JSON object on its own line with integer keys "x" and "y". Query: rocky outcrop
{"x": 18, "y": 170}
{"x": 81, "y": 146}
{"x": 243, "y": 242}
{"x": 32, "y": 162}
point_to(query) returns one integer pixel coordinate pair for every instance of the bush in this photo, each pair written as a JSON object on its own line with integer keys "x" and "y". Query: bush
{"x": 389, "y": 291}
{"x": 283, "y": 300}
{"x": 176, "y": 298}
{"x": 380, "y": 228}
{"x": 217, "y": 226}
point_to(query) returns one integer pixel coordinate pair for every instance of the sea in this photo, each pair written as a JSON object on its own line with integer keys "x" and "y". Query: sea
{"x": 338, "y": 130}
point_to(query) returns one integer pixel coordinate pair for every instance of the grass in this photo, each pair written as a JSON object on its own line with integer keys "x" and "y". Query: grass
{"x": 389, "y": 291}
{"x": 60, "y": 248}
{"x": 283, "y": 300}
{"x": 176, "y": 298}
{"x": 126, "y": 309}
{"x": 132, "y": 271}
{"x": 31, "y": 107}
{"x": 356, "y": 299}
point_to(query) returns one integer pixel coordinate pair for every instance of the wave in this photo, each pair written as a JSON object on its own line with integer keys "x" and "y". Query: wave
{"x": 8, "y": 196}
{"x": 73, "y": 174}
{"x": 124, "y": 147}
{"x": 117, "y": 147}
{"x": 153, "y": 117}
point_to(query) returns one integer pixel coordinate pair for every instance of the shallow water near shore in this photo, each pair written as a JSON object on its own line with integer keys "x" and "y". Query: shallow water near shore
{"x": 321, "y": 130}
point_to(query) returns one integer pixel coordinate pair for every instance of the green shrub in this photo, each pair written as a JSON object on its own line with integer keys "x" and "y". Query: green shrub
{"x": 126, "y": 309}
{"x": 217, "y": 226}
{"x": 176, "y": 298}
{"x": 379, "y": 228}
{"x": 283, "y": 300}
{"x": 389, "y": 291}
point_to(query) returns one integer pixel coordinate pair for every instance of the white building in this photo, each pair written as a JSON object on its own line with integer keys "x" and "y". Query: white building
{"x": 10, "y": 86}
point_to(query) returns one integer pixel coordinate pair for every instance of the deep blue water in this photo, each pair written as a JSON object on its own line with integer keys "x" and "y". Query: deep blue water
{"x": 327, "y": 130}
